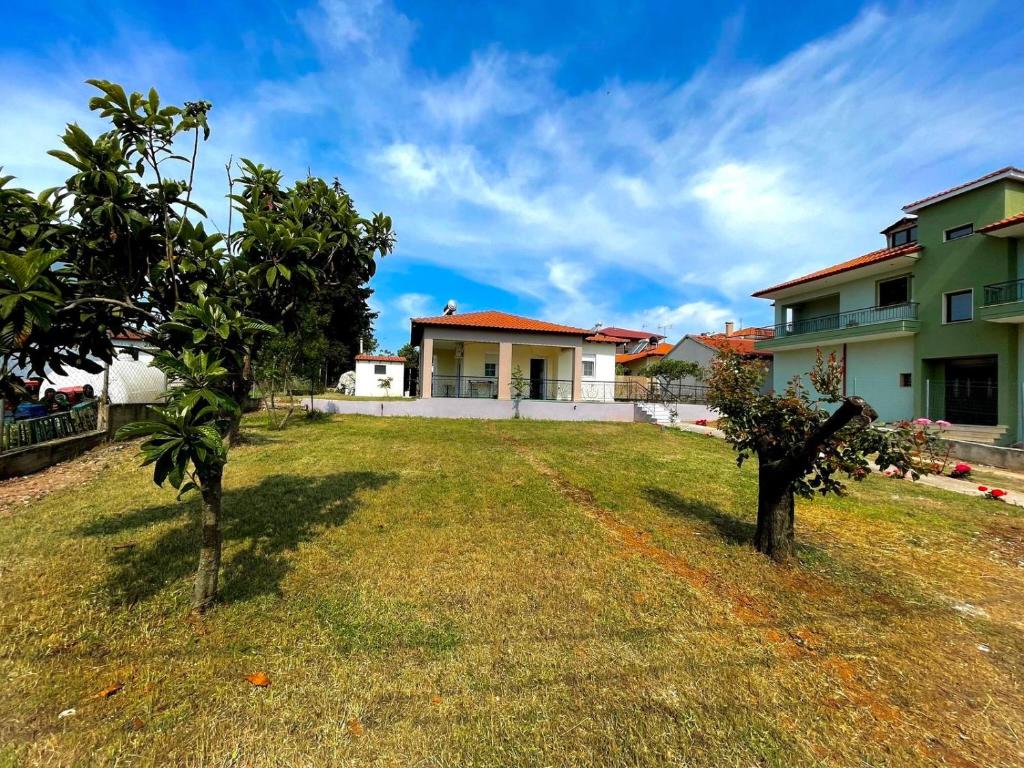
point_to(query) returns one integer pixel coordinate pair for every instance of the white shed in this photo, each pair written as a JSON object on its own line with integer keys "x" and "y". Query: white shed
{"x": 380, "y": 375}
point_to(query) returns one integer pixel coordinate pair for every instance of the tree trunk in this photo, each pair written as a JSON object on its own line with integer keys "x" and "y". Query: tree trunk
{"x": 234, "y": 431}
{"x": 208, "y": 572}
{"x": 775, "y": 536}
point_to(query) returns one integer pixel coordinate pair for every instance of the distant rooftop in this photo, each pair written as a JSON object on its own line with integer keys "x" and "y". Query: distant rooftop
{"x": 630, "y": 335}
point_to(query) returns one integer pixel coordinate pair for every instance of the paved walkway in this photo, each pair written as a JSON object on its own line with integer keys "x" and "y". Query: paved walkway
{"x": 966, "y": 487}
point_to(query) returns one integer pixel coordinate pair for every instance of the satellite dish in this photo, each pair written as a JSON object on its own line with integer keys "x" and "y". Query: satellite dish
{"x": 450, "y": 307}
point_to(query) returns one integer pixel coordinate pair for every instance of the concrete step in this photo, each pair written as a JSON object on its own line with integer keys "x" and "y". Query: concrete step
{"x": 977, "y": 433}
{"x": 657, "y": 413}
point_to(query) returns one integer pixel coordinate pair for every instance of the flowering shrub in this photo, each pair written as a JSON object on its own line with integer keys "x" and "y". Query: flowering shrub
{"x": 961, "y": 470}
{"x": 929, "y": 454}
{"x": 995, "y": 494}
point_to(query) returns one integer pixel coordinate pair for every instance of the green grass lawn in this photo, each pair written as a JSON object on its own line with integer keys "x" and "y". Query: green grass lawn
{"x": 459, "y": 593}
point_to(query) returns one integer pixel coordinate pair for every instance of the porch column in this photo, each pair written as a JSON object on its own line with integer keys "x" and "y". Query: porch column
{"x": 426, "y": 366}
{"x": 577, "y": 373}
{"x": 504, "y": 370}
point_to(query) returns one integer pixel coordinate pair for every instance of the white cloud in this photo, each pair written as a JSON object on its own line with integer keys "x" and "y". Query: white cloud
{"x": 416, "y": 305}
{"x": 701, "y": 190}
{"x": 407, "y": 165}
{"x": 675, "y": 322}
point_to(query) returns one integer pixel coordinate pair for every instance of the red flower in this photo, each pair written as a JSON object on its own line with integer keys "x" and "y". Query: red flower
{"x": 997, "y": 492}
{"x": 982, "y": 488}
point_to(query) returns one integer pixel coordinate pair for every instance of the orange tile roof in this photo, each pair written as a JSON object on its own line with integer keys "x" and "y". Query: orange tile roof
{"x": 381, "y": 358}
{"x": 751, "y": 333}
{"x": 627, "y": 335}
{"x": 493, "y": 320}
{"x": 741, "y": 345}
{"x": 604, "y": 338}
{"x": 981, "y": 180}
{"x": 861, "y": 261}
{"x": 1009, "y": 221}
{"x": 659, "y": 351}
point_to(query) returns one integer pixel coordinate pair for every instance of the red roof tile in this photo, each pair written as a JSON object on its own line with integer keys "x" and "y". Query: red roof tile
{"x": 381, "y": 358}
{"x": 980, "y": 181}
{"x": 659, "y": 351}
{"x": 493, "y": 320}
{"x": 627, "y": 335}
{"x": 750, "y": 333}
{"x": 602, "y": 338}
{"x": 1009, "y": 221}
{"x": 861, "y": 261}
{"x": 742, "y": 345}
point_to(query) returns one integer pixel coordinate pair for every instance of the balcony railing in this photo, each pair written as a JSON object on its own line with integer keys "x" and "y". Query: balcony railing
{"x": 844, "y": 320}
{"x": 464, "y": 386}
{"x": 545, "y": 389}
{"x": 1004, "y": 293}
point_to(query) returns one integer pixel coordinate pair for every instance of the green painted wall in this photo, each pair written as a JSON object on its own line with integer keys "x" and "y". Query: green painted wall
{"x": 970, "y": 262}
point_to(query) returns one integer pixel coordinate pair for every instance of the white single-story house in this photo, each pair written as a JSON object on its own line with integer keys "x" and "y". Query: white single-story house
{"x": 485, "y": 354}
{"x": 379, "y": 375}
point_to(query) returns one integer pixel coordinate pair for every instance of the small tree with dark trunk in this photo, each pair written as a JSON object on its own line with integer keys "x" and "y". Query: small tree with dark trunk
{"x": 802, "y": 447}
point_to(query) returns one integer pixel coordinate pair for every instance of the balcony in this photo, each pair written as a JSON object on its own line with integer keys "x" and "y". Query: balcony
{"x": 866, "y": 324}
{"x": 1003, "y": 302}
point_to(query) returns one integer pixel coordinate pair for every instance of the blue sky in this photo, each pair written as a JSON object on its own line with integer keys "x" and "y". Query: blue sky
{"x": 630, "y": 164}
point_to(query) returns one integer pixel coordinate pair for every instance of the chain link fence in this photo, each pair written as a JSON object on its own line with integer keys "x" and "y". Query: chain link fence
{"x": 78, "y": 402}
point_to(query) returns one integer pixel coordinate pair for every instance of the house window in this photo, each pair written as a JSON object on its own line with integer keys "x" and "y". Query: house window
{"x": 905, "y": 379}
{"x": 957, "y": 232}
{"x": 589, "y": 366}
{"x": 380, "y": 370}
{"x": 959, "y": 306}
{"x": 490, "y": 369}
{"x": 904, "y": 237}
{"x": 895, "y": 291}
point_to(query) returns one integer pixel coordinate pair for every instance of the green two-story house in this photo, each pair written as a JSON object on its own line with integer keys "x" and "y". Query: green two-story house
{"x": 930, "y": 325}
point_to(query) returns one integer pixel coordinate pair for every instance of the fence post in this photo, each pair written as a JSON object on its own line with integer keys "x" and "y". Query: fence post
{"x": 927, "y": 398}
{"x": 103, "y": 413}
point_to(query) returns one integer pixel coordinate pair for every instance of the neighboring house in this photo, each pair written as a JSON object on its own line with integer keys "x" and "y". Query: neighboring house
{"x": 703, "y": 347}
{"x": 930, "y": 325}
{"x": 475, "y": 354}
{"x": 131, "y": 380}
{"x": 371, "y": 370}
{"x": 635, "y": 362}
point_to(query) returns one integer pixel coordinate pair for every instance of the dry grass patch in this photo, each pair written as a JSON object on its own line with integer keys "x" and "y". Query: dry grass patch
{"x": 458, "y": 593}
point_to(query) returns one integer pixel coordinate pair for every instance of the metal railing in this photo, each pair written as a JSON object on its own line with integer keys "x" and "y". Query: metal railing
{"x": 464, "y": 386}
{"x": 850, "y": 319}
{"x": 631, "y": 391}
{"x": 546, "y": 389}
{"x": 1004, "y": 293}
{"x": 562, "y": 389}
{"x": 19, "y": 433}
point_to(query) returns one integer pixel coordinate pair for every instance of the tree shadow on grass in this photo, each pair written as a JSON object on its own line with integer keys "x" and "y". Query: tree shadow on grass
{"x": 270, "y": 520}
{"x": 731, "y": 529}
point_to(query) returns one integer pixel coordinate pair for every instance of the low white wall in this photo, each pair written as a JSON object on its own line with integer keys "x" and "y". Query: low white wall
{"x": 469, "y": 408}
